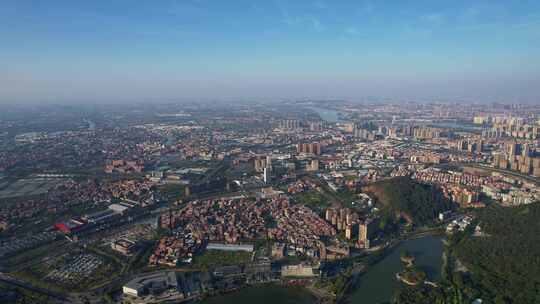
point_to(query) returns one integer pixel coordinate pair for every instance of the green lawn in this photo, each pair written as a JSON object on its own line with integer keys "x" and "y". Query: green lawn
{"x": 312, "y": 199}
{"x": 215, "y": 258}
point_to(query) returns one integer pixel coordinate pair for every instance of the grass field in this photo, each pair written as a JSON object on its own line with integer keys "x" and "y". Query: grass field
{"x": 214, "y": 258}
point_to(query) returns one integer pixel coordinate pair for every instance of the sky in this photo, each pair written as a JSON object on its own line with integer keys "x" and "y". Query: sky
{"x": 127, "y": 50}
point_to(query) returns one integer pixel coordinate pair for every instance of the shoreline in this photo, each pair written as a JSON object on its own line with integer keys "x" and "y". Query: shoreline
{"x": 322, "y": 296}
{"x": 387, "y": 251}
{"x": 405, "y": 281}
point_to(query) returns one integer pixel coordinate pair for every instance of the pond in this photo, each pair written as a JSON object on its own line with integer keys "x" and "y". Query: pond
{"x": 379, "y": 283}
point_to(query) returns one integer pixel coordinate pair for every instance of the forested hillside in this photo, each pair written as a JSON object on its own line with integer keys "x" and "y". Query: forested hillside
{"x": 418, "y": 203}
{"x": 505, "y": 264}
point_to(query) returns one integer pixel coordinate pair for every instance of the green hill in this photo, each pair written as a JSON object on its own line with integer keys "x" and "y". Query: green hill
{"x": 417, "y": 203}
{"x": 505, "y": 263}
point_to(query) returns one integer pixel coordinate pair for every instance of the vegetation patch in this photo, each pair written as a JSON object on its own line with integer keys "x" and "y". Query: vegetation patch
{"x": 505, "y": 265}
{"x": 312, "y": 199}
{"x": 417, "y": 203}
{"x": 211, "y": 259}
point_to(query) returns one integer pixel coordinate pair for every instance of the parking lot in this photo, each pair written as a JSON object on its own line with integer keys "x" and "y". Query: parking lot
{"x": 76, "y": 269}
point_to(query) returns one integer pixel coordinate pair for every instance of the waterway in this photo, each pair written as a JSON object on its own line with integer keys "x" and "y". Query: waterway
{"x": 379, "y": 283}
{"x": 457, "y": 126}
{"x": 265, "y": 294}
{"x": 91, "y": 124}
{"x": 327, "y": 114}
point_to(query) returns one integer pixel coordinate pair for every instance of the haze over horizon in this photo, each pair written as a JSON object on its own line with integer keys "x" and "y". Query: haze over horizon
{"x": 101, "y": 51}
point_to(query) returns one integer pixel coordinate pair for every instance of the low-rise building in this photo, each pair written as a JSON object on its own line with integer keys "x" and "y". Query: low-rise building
{"x": 151, "y": 284}
{"x": 125, "y": 247}
{"x": 230, "y": 247}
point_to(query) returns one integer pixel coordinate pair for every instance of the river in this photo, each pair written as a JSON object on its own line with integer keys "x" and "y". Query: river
{"x": 457, "y": 126}
{"x": 379, "y": 283}
{"x": 91, "y": 124}
{"x": 327, "y": 114}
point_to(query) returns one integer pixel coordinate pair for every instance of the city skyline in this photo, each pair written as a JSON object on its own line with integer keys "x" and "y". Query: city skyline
{"x": 118, "y": 51}
{"x": 269, "y": 151}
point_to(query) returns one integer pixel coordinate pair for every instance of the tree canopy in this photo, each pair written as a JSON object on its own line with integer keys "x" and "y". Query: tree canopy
{"x": 418, "y": 203}
{"x": 505, "y": 263}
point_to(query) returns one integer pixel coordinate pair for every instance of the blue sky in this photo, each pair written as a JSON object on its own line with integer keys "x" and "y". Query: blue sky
{"x": 121, "y": 50}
